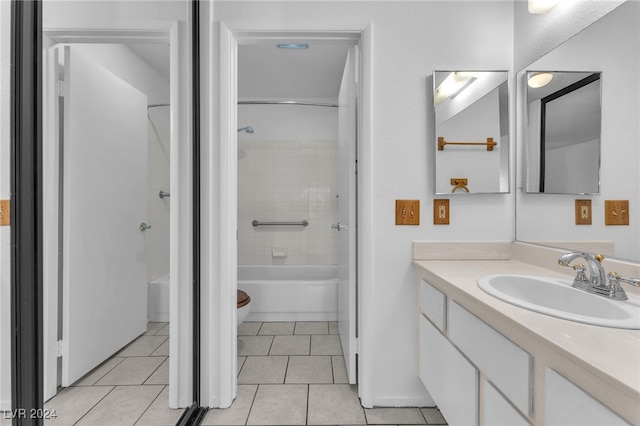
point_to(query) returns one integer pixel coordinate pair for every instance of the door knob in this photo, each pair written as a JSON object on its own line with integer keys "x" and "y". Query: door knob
{"x": 144, "y": 226}
{"x": 338, "y": 227}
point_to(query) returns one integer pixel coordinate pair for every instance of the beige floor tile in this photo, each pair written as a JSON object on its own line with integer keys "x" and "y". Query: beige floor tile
{"x": 276, "y": 328}
{"x": 159, "y": 413}
{"x": 405, "y": 416}
{"x": 249, "y": 328}
{"x": 71, "y": 404}
{"x": 123, "y": 406}
{"x": 132, "y": 371}
{"x": 290, "y": 345}
{"x": 238, "y": 413}
{"x": 154, "y": 327}
{"x": 91, "y": 378}
{"x": 142, "y": 346}
{"x": 279, "y": 405}
{"x": 309, "y": 369}
{"x": 333, "y": 327}
{"x": 325, "y": 345}
{"x": 160, "y": 376}
{"x": 312, "y": 327}
{"x": 334, "y": 405}
{"x": 254, "y": 345}
{"x": 240, "y": 363}
{"x": 163, "y": 349}
{"x": 433, "y": 416}
{"x": 339, "y": 369}
{"x": 164, "y": 331}
{"x": 263, "y": 369}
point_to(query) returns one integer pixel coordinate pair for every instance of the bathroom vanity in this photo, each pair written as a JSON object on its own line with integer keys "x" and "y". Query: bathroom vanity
{"x": 485, "y": 361}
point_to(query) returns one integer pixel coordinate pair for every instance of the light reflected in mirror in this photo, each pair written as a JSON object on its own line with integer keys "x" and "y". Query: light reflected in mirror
{"x": 562, "y": 132}
{"x": 472, "y": 132}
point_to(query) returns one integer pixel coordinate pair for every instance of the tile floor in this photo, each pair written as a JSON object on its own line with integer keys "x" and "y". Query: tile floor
{"x": 288, "y": 374}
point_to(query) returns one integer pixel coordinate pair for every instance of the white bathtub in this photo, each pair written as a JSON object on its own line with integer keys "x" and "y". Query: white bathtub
{"x": 290, "y": 292}
{"x": 159, "y": 299}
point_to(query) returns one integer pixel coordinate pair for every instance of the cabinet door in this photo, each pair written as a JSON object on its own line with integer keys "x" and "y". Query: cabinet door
{"x": 567, "y": 404}
{"x": 451, "y": 380}
{"x": 496, "y": 410}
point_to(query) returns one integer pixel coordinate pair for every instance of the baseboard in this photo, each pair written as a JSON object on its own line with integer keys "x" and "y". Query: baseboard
{"x": 407, "y": 401}
{"x": 291, "y": 316}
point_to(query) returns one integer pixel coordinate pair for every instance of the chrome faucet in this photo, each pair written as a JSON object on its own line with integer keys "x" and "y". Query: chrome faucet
{"x": 597, "y": 274}
{"x": 597, "y": 282}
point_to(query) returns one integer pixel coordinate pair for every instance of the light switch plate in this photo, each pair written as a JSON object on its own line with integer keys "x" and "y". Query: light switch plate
{"x": 5, "y": 213}
{"x": 583, "y": 212}
{"x": 441, "y": 211}
{"x": 407, "y": 212}
{"x": 616, "y": 212}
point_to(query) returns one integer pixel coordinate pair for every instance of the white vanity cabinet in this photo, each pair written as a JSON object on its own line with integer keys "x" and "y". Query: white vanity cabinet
{"x": 462, "y": 358}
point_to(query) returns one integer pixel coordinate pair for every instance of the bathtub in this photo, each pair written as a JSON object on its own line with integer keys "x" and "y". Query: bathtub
{"x": 159, "y": 299}
{"x": 290, "y": 292}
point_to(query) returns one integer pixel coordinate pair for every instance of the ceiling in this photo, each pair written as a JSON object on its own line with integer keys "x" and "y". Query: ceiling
{"x": 268, "y": 72}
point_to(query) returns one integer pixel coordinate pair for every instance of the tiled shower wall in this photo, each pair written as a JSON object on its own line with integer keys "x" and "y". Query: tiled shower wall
{"x": 285, "y": 174}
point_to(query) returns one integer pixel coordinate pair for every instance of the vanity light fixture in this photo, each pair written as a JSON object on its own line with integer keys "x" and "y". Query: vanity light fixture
{"x": 540, "y": 7}
{"x": 452, "y": 85}
{"x": 539, "y": 79}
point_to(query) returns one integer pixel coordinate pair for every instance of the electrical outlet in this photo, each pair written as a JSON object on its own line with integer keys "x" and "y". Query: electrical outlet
{"x": 441, "y": 212}
{"x": 583, "y": 212}
{"x": 5, "y": 213}
{"x": 616, "y": 212}
{"x": 407, "y": 212}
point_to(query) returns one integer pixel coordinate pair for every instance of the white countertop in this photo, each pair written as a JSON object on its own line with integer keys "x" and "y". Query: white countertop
{"x": 611, "y": 355}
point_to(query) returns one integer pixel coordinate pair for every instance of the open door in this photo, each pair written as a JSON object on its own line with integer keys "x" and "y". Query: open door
{"x": 347, "y": 255}
{"x": 104, "y": 169}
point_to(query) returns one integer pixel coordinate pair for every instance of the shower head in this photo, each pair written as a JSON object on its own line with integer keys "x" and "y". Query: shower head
{"x": 247, "y": 129}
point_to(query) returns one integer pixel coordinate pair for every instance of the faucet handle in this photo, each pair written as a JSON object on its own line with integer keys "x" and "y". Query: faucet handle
{"x": 580, "y": 276}
{"x": 614, "y": 276}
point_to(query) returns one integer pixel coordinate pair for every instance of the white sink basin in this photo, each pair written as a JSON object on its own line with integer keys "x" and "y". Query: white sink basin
{"x": 557, "y": 298}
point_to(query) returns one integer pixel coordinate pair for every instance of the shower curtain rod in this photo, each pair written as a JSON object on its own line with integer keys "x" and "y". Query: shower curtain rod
{"x": 287, "y": 103}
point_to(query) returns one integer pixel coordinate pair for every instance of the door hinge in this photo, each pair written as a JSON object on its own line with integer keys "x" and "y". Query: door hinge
{"x": 60, "y": 351}
{"x": 60, "y": 88}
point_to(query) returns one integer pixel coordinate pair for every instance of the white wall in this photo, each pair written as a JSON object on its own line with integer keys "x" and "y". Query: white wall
{"x": 288, "y": 171}
{"x": 410, "y": 40}
{"x": 5, "y": 231}
{"x": 610, "y": 45}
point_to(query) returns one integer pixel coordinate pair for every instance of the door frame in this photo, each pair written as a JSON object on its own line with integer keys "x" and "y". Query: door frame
{"x": 223, "y": 356}
{"x": 181, "y": 267}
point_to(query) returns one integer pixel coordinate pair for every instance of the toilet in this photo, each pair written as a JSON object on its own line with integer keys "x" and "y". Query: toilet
{"x": 244, "y": 306}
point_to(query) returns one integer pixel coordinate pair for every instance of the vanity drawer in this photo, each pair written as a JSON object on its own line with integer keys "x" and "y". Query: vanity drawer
{"x": 433, "y": 304}
{"x": 502, "y": 361}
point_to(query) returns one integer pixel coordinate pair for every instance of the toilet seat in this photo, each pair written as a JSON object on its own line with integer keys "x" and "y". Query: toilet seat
{"x": 243, "y": 299}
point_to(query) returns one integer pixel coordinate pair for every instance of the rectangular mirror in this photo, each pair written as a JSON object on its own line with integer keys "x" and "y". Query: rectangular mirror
{"x": 472, "y": 132}
{"x": 562, "y": 132}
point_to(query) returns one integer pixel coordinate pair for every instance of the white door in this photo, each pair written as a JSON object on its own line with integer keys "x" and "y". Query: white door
{"x": 346, "y": 226}
{"x": 104, "y": 292}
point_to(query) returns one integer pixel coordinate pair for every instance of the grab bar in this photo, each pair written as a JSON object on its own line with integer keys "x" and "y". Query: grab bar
{"x": 301, "y": 223}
